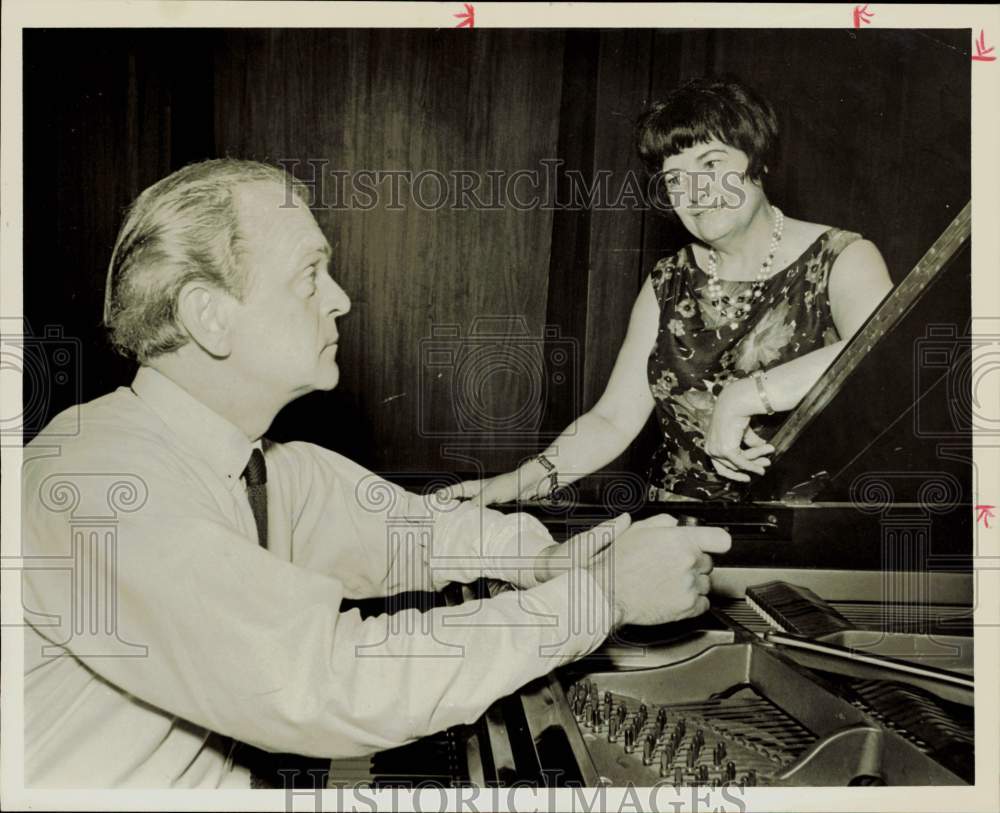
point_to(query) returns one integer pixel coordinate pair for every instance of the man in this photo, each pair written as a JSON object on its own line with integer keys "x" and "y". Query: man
{"x": 230, "y": 557}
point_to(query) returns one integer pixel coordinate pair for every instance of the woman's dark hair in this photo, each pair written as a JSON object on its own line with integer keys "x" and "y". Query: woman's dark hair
{"x": 703, "y": 109}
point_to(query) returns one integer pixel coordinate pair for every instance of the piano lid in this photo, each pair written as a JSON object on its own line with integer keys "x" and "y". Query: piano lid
{"x": 891, "y": 419}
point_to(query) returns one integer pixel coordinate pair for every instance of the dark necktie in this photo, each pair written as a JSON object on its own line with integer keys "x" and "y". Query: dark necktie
{"x": 255, "y": 475}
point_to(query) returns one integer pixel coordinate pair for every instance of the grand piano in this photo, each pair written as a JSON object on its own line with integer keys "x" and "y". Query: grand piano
{"x": 839, "y": 647}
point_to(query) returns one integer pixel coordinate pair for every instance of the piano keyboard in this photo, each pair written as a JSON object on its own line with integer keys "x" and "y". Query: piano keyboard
{"x": 928, "y": 619}
{"x": 437, "y": 761}
{"x": 795, "y": 609}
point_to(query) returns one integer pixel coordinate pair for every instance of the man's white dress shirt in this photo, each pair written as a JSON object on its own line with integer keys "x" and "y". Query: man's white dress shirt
{"x": 162, "y": 631}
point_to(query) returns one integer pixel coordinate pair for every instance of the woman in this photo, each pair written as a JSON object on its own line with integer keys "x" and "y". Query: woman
{"x": 735, "y": 327}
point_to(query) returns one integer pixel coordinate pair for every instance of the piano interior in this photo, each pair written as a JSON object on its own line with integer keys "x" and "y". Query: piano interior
{"x": 716, "y": 701}
{"x": 839, "y": 647}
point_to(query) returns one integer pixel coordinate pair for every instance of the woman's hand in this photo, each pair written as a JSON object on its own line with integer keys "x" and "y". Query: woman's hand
{"x": 733, "y": 446}
{"x": 531, "y": 481}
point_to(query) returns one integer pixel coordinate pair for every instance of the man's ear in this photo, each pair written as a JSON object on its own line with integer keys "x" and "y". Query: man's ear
{"x": 206, "y": 314}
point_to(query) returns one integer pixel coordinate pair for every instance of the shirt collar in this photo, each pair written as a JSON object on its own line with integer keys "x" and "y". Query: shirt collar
{"x": 203, "y": 432}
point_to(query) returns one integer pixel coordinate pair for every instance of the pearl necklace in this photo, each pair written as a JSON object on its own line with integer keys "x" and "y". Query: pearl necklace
{"x": 741, "y": 307}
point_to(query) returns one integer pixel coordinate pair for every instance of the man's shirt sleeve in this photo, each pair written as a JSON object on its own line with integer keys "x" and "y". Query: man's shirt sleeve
{"x": 243, "y": 643}
{"x": 381, "y": 539}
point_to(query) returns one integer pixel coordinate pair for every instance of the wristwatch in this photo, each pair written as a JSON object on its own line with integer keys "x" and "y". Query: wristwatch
{"x": 553, "y": 473}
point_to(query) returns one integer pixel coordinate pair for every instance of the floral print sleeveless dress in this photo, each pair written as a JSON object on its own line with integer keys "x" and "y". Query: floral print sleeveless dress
{"x": 697, "y": 353}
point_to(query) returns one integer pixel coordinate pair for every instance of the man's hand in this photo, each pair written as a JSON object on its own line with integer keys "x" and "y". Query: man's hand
{"x": 581, "y": 550}
{"x": 656, "y": 573}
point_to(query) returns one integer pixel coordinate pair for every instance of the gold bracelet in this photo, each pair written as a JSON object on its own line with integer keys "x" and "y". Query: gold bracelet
{"x": 759, "y": 377}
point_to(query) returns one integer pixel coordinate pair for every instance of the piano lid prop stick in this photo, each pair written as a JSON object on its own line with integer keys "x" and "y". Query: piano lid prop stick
{"x": 898, "y": 302}
{"x": 833, "y": 658}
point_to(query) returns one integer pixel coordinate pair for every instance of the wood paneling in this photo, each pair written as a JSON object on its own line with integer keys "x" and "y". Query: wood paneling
{"x": 572, "y": 223}
{"x": 416, "y": 101}
{"x": 106, "y": 113}
{"x": 875, "y": 138}
{"x": 615, "y": 271}
{"x": 875, "y": 130}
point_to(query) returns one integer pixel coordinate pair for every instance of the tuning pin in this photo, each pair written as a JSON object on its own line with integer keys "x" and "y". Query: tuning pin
{"x": 622, "y": 713}
{"x": 612, "y": 729}
{"x": 629, "y": 740}
{"x": 596, "y": 718}
{"x": 678, "y": 776}
{"x": 647, "y": 751}
{"x": 661, "y": 717}
{"x": 731, "y": 771}
{"x": 588, "y": 714}
{"x": 752, "y": 778}
{"x": 664, "y": 762}
{"x": 692, "y": 758}
{"x": 703, "y": 773}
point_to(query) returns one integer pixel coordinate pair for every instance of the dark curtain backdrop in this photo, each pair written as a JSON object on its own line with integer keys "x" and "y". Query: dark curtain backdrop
{"x": 440, "y": 353}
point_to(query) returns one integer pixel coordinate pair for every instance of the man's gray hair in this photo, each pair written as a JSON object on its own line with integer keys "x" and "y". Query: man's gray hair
{"x": 183, "y": 228}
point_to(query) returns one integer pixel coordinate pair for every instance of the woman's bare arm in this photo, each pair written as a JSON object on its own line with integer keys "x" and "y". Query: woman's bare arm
{"x": 858, "y": 282}
{"x": 598, "y": 436}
